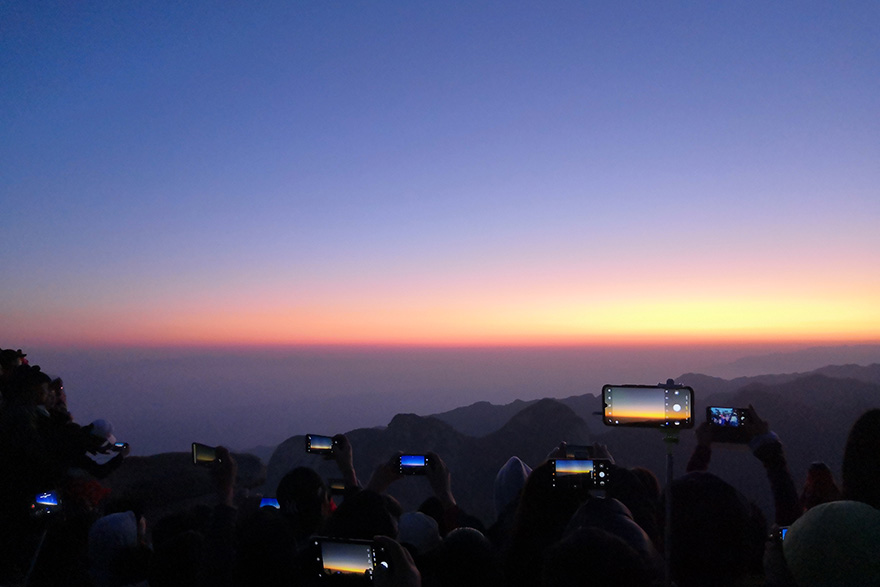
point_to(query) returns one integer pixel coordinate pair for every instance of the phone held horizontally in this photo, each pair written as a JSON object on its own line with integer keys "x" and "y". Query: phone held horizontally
{"x": 728, "y": 424}
{"x": 651, "y": 406}
{"x": 581, "y": 473}
{"x": 351, "y": 560}
{"x": 319, "y": 445}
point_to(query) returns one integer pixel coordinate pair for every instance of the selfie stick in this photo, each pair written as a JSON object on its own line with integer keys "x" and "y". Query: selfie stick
{"x": 27, "y": 578}
{"x": 670, "y": 437}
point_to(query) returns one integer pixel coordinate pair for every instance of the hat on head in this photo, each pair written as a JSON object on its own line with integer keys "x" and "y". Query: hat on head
{"x": 835, "y": 543}
{"x": 419, "y": 530}
{"x": 509, "y": 482}
{"x": 103, "y": 429}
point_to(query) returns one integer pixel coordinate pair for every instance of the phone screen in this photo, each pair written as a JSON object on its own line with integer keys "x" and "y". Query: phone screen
{"x": 202, "y": 453}
{"x": 647, "y": 405}
{"x": 45, "y": 503}
{"x": 413, "y": 464}
{"x": 315, "y": 443}
{"x": 346, "y": 557}
{"x": 270, "y": 502}
{"x": 46, "y": 499}
{"x": 727, "y": 424}
{"x": 726, "y": 417}
{"x": 586, "y": 473}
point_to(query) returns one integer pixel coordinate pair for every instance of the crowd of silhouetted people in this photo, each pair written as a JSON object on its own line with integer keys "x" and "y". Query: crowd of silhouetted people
{"x": 59, "y": 525}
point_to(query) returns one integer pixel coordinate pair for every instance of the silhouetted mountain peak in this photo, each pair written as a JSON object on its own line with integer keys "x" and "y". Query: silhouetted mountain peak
{"x": 542, "y": 413}
{"x": 545, "y": 419}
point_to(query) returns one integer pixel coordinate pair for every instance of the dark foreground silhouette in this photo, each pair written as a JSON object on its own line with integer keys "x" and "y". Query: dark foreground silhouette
{"x": 59, "y": 525}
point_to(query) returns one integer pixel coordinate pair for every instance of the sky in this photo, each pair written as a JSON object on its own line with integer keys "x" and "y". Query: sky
{"x": 414, "y": 173}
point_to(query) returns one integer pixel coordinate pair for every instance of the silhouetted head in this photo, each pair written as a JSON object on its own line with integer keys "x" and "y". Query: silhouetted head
{"x": 861, "y": 460}
{"x": 835, "y": 544}
{"x": 26, "y": 385}
{"x": 717, "y": 535}
{"x": 302, "y": 494}
{"x": 9, "y": 360}
{"x": 56, "y": 387}
{"x": 363, "y": 515}
{"x": 613, "y": 516}
{"x": 115, "y": 553}
{"x": 465, "y": 559}
{"x": 595, "y": 557}
{"x": 819, "y": 487}
{"x": 639, "y": 490}
{"x": 541, "y": 518}
{"x": 509, "y": 483}
{"x": 266, "y": 549}
{"x": 649, "y": 482}
{"x": 545, "y": 509}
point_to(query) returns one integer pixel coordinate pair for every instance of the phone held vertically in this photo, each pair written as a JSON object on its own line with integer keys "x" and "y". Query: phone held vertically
{"x": 203, "y": 454}
{"x": 728, "y": 424}
{"x": 651, "y": 406}
{"x": 581, "y": 473}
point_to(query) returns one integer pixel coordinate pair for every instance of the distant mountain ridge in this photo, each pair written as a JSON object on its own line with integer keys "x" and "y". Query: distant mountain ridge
{"x": 484, "y": 417}
{"x": 811, "y": 412}
{"x": 474, "y": 462}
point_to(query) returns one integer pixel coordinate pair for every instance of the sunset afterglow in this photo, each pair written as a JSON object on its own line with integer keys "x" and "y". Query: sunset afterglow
{"x": 385, "y": 174}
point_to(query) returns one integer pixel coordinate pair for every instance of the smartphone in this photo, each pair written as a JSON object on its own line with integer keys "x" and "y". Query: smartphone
{"x": 578, "y": 451}
{"x": 45, "y": 504}
{"x": 270, "y": 502}
{"x": 727, "y": 424}
{"x": 581, "y": 473}
{"x": 337, "y": 486}
{"x": 413, "y": 464}
{"x": 120, "y": 446}
{"x": 203, "y": 454}
{"x": 319, "y": 445}
{"x": 340, "y": 557}
{"x": 652, "y": 406}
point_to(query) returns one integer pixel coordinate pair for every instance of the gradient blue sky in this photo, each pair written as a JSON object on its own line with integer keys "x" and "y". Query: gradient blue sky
{"x": 409, "y": 172}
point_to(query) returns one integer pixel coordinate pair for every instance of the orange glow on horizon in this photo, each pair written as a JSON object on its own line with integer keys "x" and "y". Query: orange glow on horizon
{"x": 670, "y": 321}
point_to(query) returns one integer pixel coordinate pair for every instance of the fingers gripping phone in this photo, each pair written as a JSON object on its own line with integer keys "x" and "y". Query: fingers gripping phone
{"x": 651, "y": 406}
